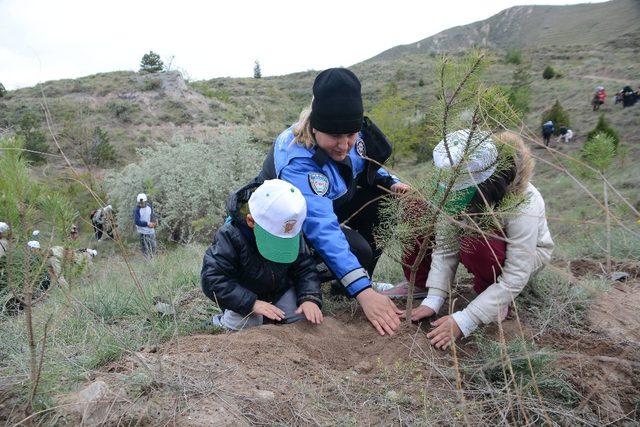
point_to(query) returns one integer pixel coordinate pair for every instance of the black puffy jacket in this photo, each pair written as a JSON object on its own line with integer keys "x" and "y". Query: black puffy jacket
{"x": 234, "y": 274}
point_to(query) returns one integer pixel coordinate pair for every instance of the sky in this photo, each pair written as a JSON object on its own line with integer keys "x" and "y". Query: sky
{"x": 43, "y": 40}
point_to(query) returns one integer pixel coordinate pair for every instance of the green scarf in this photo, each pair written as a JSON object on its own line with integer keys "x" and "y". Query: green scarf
{"x": 458, "y": 200}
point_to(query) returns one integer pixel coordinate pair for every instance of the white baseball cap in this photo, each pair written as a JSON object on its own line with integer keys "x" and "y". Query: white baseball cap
{"x": 34, "y": 244}
{"x": 141, "y": 197}
{"x": 93, "y": 252}
{"x": 481, "y": 159}
{"x": 4, "y": 227}
{"x": 278, "y": 209}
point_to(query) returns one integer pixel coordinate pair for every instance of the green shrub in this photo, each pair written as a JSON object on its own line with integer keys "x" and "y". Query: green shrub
{"x": 603, "y": 127}
{"x": 151, "y": 63}
{"x": 548, "y": 73}
{"x": 151, "y": 84}
{"x": 188, "y": 182}
{"x": 102, "y": 152}
{"x": 557, "y": 115}
{"x": 421, "y": 82}
{"x": 513, "y": 56}
{"x": 520, "y": 90}
{"x": 34, "y": 138}
{"x": 122, "y": 110}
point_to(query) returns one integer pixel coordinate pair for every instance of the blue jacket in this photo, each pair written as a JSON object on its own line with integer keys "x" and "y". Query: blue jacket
{"x": 318, "y": 178}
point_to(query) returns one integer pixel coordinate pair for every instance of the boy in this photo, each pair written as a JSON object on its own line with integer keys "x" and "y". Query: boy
{"x": 258, "y": 265}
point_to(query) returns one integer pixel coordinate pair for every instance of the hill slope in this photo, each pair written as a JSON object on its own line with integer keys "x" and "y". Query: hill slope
{"x": 535, "y": 26}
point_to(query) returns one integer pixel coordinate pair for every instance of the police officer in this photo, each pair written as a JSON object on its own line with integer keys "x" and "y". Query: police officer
{"x": 333, "y": 155}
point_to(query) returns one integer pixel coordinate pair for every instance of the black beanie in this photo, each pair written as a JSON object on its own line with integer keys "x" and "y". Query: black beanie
{"x": 337, "y": 102}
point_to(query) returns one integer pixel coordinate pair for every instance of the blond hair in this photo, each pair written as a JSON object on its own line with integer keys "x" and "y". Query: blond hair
{"x": 302, "y": 130}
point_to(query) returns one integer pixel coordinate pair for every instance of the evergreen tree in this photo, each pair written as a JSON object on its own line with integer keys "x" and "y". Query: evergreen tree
{"x": 35, "y": 144}
{"x": 603, "y": 127}
{"x": 151, "y": 63}
{"x": 3, "y": 91}
{"x": 257, "y": 72}
{"x": 102, "y": 152}
{"x": 520, "y": 91}
{"x": 557, "y": 115}
{"x": 548, "y": 73}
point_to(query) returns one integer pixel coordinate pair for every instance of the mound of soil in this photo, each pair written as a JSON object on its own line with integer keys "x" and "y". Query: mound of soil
{"x": 343, "y": 372}
{"x": 339, "y": 372}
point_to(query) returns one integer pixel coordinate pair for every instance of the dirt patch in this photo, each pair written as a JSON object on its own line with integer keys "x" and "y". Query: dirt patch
{"x": 616, "y": 313}
{"x": 339, "y": 372}
{"x": 585, "y": 267}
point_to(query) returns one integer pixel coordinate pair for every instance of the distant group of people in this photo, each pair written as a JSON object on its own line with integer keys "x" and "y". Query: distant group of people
{"x": 45, "y": 268}
{"x": 627, "y": 96}
{"x": 317, "y": 200}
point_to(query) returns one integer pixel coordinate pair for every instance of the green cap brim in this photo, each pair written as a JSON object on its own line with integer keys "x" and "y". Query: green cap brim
{"x": 277, "y": 249}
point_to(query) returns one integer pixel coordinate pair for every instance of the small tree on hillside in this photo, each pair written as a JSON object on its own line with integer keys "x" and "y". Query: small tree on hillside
{"x": 257, "y": 72}
{"x": 513, "y": 56}
{"x": 35, "y": 144}
{"x": 548, "y": 73}
{"x": 3, "y": 91}
{"x": 520, "y": 91}
{"x": 557, "y": 115}
{"x": 151, "y": 63}
{"x": 598, "y": 152}
{"x": 603, "y": 127}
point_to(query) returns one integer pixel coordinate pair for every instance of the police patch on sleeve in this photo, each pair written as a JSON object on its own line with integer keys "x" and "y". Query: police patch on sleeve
{"x": 319, "y": 183}
{"x": 360, "y": 148}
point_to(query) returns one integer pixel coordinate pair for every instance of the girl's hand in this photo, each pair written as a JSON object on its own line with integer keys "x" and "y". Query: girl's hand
{"x": 311, "y": 312}
{"x": 446, "y": 330}
{"x": 420, "y": 312}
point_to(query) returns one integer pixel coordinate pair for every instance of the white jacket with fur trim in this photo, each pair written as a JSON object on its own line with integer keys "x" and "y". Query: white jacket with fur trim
{"x": 529, "y": 247}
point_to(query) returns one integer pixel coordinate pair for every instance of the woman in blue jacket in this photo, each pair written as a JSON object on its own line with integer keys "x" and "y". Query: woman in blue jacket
{"x": 333, "y": 154}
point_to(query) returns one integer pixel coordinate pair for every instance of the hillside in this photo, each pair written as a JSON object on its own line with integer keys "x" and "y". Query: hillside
{"x": 126, "y": 341}
{"x": 616, "y": 21}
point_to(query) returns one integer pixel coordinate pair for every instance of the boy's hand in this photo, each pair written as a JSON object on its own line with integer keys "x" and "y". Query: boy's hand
{"x": 446, "y": 329}
{"x": 311, "y": 312}
{"x": 151, "y": 224}
{"x": 267, "y": 310}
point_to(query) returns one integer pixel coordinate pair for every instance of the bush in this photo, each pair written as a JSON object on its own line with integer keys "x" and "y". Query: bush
{"x": 151, "y": 63}
{"x": 548, "y": 73}
{"x": 421, "y": 82}
{"x": 520, "y": 90}
{"x": 605, "y": 128}
{"x": 34, "y": 139}
{"x": 121, "y": 109}
{"x": 151, "y": 84}
{"x": 557, "y": 115}
{"x": 513, "y": 56}
{"x": 188, "y": 182}
{"x": 102, "y": 152}
{"x": 3, "y": 91}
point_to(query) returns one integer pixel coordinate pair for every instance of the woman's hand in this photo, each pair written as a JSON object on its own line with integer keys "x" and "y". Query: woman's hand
{"x": 400, "y": 188}
{"x": 311, "y": 312}
{"x": 446, "y": 329}
{"x": 420, "y": 312}
{"x": 380, "y": 310}
{"x": 267, "y": 310}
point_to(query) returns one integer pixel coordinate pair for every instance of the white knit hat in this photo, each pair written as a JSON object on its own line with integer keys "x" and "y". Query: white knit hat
{"x": 34, "y": 244}
{"x": 4, "y": 227}
{"x": 481, "y": 158}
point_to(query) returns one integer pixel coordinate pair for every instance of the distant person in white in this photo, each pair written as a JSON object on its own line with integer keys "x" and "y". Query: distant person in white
{"x": 145, "y": 220}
